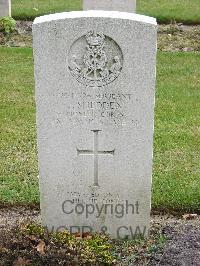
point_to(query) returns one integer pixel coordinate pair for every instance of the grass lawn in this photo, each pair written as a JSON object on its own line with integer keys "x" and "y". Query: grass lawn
{"x": 18, "y": 166}
{"x": 187, "y": 11}
{"x": 29, "y": 9}
{"x": 176, "y": 183}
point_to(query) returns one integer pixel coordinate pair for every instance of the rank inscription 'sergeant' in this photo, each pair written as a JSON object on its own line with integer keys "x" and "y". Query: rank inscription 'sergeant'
{"x": 95, "y": 59}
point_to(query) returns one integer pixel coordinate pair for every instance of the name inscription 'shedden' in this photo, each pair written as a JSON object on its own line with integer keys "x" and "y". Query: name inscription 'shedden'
{"x": 108, "y": 107}
{"x": 95, "y": 60}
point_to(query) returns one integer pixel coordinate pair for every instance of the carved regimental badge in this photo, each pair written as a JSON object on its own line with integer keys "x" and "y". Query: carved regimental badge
{"x": 95, "y": 59}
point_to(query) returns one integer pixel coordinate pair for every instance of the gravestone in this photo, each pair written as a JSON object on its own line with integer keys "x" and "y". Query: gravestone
{"x": 112, "y": 5}
{"x": 95, "y": 85}
{"x": 5, "y": 8}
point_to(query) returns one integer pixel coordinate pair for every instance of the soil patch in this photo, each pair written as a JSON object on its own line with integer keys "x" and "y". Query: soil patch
{"x": 173, "y": 241}
{"x": 183, "y": 242}
{"x": 178, "y": 37}
{"x": 172, "y": 37}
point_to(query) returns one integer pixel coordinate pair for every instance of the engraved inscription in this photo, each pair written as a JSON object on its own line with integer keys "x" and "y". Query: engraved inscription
{"x": 93, "y": 197}
{"x": 95, "y": 60}
{"x": 95, "y": 152}
{"x": 92, "y": 106}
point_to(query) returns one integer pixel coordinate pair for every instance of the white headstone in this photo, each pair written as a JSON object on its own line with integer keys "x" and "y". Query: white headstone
{"x": 95, "y": 82}
{"x": 112, "y": 5}
{"x": 5, "y": 8}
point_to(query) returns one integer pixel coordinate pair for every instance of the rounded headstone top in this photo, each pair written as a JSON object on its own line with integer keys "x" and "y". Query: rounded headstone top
{"x": 96, "y": 14}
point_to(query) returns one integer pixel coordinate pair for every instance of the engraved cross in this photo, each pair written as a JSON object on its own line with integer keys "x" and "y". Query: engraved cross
{"x": 95, "y": 152}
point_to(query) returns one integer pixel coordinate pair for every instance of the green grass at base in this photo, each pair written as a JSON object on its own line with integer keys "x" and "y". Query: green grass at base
{"x": 176, "y": 183}
{"x": 187, "y": 11}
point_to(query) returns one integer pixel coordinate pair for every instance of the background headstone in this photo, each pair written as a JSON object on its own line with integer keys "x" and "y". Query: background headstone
{"x": 5, "y": 8}
{"x": 112, "y": 5}
{"x": 95, "y": 82}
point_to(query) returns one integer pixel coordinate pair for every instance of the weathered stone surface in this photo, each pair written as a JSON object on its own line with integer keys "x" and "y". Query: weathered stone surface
{"x": 112, "y": 5}
{"x": 5, "y": 8}
{"x": 95, "y": 82}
